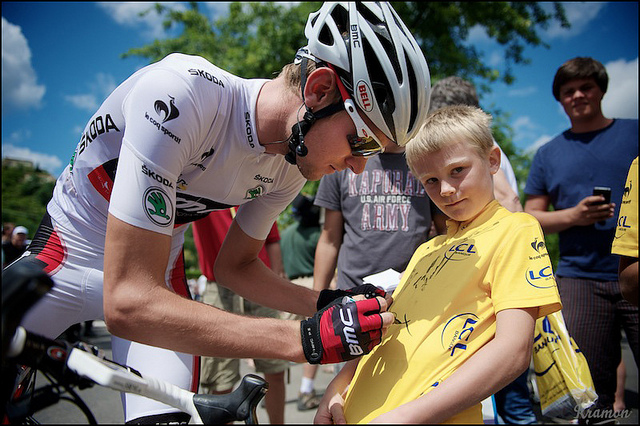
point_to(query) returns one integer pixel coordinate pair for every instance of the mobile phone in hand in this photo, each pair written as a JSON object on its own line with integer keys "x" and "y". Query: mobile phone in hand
{"x": 604, "y": 191}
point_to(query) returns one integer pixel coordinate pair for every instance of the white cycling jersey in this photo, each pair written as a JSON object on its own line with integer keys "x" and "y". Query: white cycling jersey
{"x": 172, "y": 143}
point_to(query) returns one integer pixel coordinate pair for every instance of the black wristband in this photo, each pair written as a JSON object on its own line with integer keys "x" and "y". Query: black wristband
{"x": 311, "y": 342}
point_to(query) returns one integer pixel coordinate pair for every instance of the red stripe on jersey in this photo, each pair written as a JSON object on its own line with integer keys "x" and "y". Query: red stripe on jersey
{"x": 178, "y": 278}
{"x": 53, "y": 254}
{"x": 195, "y": 376}
{"x": 101, "y": 181}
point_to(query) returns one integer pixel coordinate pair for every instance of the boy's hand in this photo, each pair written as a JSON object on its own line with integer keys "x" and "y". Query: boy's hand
{"x": 344, "y": 330}
{"x": 330, "y": 410}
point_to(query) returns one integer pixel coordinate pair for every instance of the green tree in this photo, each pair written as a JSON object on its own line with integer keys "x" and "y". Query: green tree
{"x": 442, "y": 29}
{"x": 254, "y": 40}
{"x": 25, "y": 193}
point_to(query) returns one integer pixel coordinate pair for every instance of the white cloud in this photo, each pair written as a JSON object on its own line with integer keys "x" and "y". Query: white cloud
{"x": 86, "y": 102}
{"x": 523, "y": 123}
{"x": 478, "y": 35}
{"x": 47, "y": 162}
{"x": 19, "y": 135}
{"x": 20, "y": 88}
{"x": 621, "y": 99}
{"x": 579, "y": 15}
{"x": 538, "y": 143}
{"x": 524, "y": 129}
{"x": 522, "y": 92}
{"x": 128, "y": 14}
{"x": 99, "y": 89}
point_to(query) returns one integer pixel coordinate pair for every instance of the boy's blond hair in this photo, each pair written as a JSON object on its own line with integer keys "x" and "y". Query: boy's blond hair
{"x": 451, "y": 124}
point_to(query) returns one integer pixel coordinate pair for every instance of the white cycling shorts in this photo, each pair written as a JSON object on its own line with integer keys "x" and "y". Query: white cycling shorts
{"x": 76, "y": 269}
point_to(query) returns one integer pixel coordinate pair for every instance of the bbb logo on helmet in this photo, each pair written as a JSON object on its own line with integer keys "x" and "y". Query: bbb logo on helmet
{"x": 364, "y": 96}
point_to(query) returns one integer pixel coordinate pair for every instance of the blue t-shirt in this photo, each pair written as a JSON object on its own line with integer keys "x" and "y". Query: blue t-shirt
{"x": 566, "y": 169}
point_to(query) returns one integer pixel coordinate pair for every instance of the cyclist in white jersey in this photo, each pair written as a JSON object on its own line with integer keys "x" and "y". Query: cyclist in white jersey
{"x": 181, "y": 138}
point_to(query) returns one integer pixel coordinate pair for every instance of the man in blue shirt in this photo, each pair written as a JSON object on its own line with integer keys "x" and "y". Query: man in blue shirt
{"x": 595, "y": 151}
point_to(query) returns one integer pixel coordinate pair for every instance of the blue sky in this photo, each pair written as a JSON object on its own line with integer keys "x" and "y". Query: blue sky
{"x": 60, "y": 60}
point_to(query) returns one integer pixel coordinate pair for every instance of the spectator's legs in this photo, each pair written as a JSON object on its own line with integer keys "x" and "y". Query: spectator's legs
{"x": 589, "y": 310}
{"x": 275, "y": 398}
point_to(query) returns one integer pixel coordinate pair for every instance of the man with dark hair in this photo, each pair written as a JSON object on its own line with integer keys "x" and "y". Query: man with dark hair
{"x": 580, "y": 69}
{"x": 595, "y": 151}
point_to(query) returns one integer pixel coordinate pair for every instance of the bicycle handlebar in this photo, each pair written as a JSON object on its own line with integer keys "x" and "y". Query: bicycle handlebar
{"x": 77, "y": 365}
{"x": 83, "y": 365}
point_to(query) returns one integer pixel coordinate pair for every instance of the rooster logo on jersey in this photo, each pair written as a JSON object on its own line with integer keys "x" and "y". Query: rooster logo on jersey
{"x": 168, "y": 112}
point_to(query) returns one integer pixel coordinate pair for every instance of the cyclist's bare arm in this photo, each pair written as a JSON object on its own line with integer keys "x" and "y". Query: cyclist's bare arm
{"x": 138, "y": 306}
{"x": 239, "y": 268}
{"x": 327, "y": 249}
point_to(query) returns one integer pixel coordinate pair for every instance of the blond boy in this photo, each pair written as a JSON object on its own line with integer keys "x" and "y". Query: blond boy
{"x": 467, "y": 304}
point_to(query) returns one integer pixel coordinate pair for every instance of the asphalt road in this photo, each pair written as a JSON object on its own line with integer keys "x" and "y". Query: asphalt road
{"x": 106, "y": 406}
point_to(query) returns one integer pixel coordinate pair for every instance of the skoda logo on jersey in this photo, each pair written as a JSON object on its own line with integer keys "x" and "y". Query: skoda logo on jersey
{"x": 254, "y": 192}
{"x": 542, "y": 278}
{"x": 457, "y": 332}
{"x": 157, "y": 206}
{"x": 165, "y": 112}
{"x": 460, "y": 251}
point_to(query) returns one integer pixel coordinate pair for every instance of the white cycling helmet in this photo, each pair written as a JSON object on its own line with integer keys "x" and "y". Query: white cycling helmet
{"x": 378, "y": 61}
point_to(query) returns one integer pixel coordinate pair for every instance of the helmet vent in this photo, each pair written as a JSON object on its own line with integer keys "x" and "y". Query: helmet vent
{"x": 368, "y": 15}
{"x": 325, "y": 36}
{"x": 413, "y": 85}
{"x": 340, "y": 17}
{"x": 380, "y": 86}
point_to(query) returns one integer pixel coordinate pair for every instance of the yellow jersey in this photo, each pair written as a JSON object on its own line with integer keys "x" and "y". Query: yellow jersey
{"x": 625, "y": 242}
{"x": 446, "y": 305}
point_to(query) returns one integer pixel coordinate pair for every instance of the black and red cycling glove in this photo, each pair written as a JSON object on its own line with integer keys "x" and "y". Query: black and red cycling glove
{"x": 342, "y": 331}
{"x": 368, "y": 290}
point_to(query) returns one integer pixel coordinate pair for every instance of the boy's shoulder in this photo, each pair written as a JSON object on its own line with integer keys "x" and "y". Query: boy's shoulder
{"x": 501, "y": 217}
{"x": 518, "y": 218}
{"x": 510, "y": 222}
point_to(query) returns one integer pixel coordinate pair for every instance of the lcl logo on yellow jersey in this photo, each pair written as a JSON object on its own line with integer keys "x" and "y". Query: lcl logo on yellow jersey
{"x": 460, "y": 251}
{"x": 457, "y": 332}
{"x": 542, "y": 278}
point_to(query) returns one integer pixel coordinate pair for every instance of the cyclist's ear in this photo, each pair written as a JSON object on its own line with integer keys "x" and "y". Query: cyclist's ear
{"x": 321, "y": 89}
